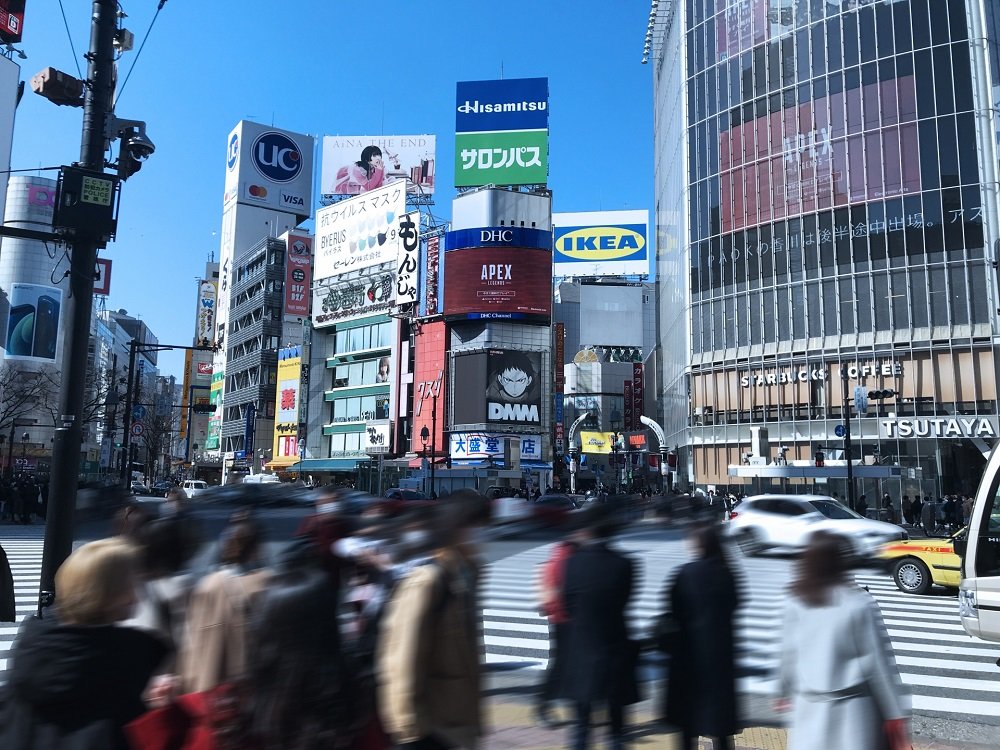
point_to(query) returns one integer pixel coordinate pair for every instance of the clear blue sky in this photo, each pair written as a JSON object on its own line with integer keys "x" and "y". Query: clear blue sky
{"x": 328, "y": 67}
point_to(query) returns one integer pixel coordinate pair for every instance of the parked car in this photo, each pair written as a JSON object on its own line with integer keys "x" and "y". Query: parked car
{"x": 918, "y": 564}
{"x": 193, "y": 487}
{"x": 138, "y": 488}
{"x": 553, "y": 509}
{"x": 397, "y": 500}
{"x": 161, "y": 488}
{"x": 787, "y": 521}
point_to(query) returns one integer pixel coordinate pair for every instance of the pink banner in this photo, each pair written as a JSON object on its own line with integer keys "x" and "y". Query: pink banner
{"x": 298, "y": 273}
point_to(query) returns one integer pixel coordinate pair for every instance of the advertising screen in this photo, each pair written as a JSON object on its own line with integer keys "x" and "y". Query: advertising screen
{"x": 501, "y": 132}
{"x": 298, "y": 275}
{"x": 501, "y": 283}
{"x": 429, "y": 398}
{"x": 601, "y": 243}
{"x": 511, "y": 391}
{"x": 360, "y": 232}
{"x": 270, "y": 168}
{"x": 803, "y": 158}
{"x": 286, "y": 407}
{"x": 32, "y": 331}
{"x": 355, "y": 164}
{"x": 205, "y": 313}
{"x": 337, "y": 302}
{"x": 11, "y": 21}
{"x": 212, "y": 440}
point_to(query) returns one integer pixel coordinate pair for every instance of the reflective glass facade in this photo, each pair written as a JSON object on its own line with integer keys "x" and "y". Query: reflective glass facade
{"x": 839, "y": 205}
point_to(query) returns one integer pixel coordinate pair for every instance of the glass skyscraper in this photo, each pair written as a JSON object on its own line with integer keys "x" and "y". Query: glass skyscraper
{"x": 827, "y": 222}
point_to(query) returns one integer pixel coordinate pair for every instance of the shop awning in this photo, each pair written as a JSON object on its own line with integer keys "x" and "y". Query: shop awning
{"x": 324, "y": 464}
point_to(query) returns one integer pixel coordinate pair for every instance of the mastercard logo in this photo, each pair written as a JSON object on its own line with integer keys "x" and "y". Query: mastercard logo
{"x": 258, "y": 191}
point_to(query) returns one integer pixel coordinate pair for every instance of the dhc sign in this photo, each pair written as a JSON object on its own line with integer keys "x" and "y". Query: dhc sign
{"x": 527, "y": 237}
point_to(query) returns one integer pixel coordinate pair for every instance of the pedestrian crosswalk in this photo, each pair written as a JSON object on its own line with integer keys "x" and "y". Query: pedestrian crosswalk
{"x": 23, "y": 545}
{"x": 949, "y": 673}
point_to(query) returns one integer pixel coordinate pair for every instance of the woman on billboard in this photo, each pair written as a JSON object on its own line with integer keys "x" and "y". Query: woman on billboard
{"x": 364, "y": 175}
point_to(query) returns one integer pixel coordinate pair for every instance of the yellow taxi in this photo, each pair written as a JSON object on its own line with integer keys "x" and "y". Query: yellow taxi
{"x": 919, "y": 563}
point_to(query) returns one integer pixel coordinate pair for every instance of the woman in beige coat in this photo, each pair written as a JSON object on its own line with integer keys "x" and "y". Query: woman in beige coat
{"x": 215, "y": 643}
{"x": 838, "y": 673}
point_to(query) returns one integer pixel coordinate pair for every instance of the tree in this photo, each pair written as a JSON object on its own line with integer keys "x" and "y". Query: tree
{"x": 26, "y": 394}
{"x": 158, "y": 429}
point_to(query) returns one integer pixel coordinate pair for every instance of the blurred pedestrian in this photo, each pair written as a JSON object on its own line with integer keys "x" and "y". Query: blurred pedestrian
{"x": 928, "y": 516}
{"x": 8, "y": 610}
{"x": 325, "y": 528}
{"x": 76, "y": 677}
{"x": 888, "y": 513}
{"x": 862, "y": 506}
{"x": 430, "y": 645}
{"x": 600, "y": 659}
{"x": 907, "y": 507}
{"x": 215, "y": 639}
{"x": 701, "y": 682}
{"x": 552, "y": 607}
{"x": 838, "y": 673}
{"x": 966, "y": 510}
{"x": 916, "y": 510}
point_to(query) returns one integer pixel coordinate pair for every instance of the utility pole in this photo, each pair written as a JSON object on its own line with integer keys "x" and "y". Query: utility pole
{"x": 126, "y": 469}
{"x": 848, "y": 447}
{"x": 79, "y": 307}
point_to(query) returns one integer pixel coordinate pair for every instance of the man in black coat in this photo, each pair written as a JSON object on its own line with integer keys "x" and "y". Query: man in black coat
{"x": 600, "y": 659}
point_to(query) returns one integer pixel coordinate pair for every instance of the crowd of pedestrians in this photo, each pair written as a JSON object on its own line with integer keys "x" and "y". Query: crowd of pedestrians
{"x": 23, "y": 499}
{"x": 365, "y": 634}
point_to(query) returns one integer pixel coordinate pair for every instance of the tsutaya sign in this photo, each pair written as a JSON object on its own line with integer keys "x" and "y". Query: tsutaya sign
{"x": 939, "y": 427}
{"x": 807, "y": 373}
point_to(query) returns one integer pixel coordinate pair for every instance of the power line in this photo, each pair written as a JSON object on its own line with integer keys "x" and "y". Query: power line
{"x": 121, "y": 89}
{"x": 72, "y": 48}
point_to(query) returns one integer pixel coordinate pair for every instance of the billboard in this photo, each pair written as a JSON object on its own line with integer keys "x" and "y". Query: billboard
{"x": 32, "y": 331}
{"x": 511, "y": 387}
{"x": 377, "y": 438}
{"x": 613, "y": 314}
{"x": 432, "y": 276}
{"x": 467, "y": 446}
{"x": 430, "y": 359}
{"x": 360, "y": 232}
{"x": 338, "y": 302}
{"x": 501, "y": 283}
{"x": 501, "y": 132}
{"x": 408, "y": 260}
{"x": 205, "y": 314}
{"x": 215, "y": 421}
{"x": 269, "y": 168}
{"x": 601, "y": 243}
{"x": 596, "y": 442}
{"x": 803, "y": 158}
{"x": 286, "y": 406}
{"x": 355, "y": 164}
{"x": 11, "y": 21}
{"x": 298, "y": 274}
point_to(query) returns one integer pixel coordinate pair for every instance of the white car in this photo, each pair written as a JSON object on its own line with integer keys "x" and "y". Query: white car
{"x": 193, "y": 487}
{"x": 787, "y": 521}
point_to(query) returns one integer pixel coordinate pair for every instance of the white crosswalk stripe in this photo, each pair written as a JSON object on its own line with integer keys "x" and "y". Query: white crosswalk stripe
{"x": 950, "y": 674}
{"x": 23, "y": 546}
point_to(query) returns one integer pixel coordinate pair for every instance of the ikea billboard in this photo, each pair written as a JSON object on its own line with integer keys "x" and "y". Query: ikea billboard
{"x": 601, "y": 243}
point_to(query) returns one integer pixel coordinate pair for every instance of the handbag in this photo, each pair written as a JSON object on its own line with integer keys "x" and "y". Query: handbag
{"x": 896, "y": 736}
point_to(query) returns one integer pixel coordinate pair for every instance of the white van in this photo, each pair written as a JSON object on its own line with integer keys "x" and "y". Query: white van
{"x": 193, "y": 487}
{"x": 261, "y": 479}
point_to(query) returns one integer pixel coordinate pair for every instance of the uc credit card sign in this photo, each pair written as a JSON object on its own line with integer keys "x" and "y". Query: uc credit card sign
{"x": 501, "y": 132}
{"x": 601, "y": 243}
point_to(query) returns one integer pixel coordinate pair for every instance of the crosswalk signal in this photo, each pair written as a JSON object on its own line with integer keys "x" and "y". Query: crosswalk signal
{"x": 879, "y": 395}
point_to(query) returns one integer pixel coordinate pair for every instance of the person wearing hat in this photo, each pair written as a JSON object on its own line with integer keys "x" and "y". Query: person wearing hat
{"x": 600, "y": 659}
{"x": 429, "y": 652}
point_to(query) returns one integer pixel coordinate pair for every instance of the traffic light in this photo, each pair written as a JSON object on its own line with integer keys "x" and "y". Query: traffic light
{"x": 204, "y": 408}
{"x": 879, "y": 395}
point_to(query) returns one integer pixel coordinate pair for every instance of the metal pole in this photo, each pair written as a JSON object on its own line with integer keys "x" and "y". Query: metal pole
{"x": 434, "y": 411}
{"x": 79, "y": 306}
{"x": 126, "y": 467}
{"x": 848, "y": 447}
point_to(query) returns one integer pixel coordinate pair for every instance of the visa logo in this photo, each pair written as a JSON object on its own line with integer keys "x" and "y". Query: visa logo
{"x": 600, "y": 243}
{"x": 292, "y": 200}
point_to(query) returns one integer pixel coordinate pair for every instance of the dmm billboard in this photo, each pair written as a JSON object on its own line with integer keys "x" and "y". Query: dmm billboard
{"x": 270, "y": 168}
{"x": 509, "y": 390}
{"x": 355, "y": 164}
{"x": 360, "y": 232}
{"x": 501, "y": 132}
{"x": 601, "y": 243}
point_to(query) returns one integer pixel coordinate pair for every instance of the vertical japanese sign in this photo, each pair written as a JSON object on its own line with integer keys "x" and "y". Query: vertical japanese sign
{"x": 501, "y": 132}
{"x": 298, "y": 272}
{"x": 286, "y": 407}
{"x": 205, "y": 315}
{"x": 215, "y": 421}
{"x": 638, "y": 394}
{"x": 628, "y": 417}
{"x": 431, "y": 277}
{"x": 559, "y": 381}
{"x": 408, "y": 259}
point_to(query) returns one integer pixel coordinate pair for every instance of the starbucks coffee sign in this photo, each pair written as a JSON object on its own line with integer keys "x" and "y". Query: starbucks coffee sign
{"x": 939, "y": 427}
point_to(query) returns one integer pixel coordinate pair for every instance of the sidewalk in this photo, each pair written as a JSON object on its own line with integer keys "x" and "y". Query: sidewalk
{"x": 511, "y": 725}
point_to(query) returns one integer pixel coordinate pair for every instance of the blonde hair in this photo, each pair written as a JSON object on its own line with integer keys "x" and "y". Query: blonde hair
{"x": 94, "y": 579}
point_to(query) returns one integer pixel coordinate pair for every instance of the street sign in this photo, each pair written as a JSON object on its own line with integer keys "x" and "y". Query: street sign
{"x": 861, "y": 399}
{"x": 139, "y": 413}
{"x": 839, "y": 431}
{"x": 137, "y": 429}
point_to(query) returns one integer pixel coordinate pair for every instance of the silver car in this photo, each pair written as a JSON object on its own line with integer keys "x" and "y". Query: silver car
{"x": 787, "y": 521}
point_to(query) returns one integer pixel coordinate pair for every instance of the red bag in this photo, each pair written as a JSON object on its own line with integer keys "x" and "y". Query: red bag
{"x": 896, "y": 735}
{"x": 212, "y": 720}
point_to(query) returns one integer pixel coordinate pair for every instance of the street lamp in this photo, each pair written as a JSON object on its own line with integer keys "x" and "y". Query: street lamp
{"x": 616, "y": 435}
{"x": 25, "y": 437}
{"x": 425, "y": 435}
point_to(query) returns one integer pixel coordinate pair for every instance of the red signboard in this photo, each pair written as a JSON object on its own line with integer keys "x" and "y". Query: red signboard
{"x": 559, "y": 379}
{"x": 298, "y": 273}
{"x": 204, "y": 368}
{"x": 11, "y": 21}
{"x": 431, "y": 283}
{"x": 498, "y": 283}
{"x": 638, "y": 392}
{"x": 629, "y": 416}
{"x": 430, "y": 361}
{"x": 833, "y": 151}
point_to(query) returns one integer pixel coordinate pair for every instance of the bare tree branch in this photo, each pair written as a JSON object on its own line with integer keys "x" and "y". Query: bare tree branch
{"x": 26, "y": 392}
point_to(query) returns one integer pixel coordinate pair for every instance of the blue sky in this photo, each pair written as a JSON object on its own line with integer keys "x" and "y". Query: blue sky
{"x": 329, "y": 67}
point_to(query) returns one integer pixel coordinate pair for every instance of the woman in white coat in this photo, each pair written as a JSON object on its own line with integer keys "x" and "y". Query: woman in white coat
{"x": 838, "y": 673}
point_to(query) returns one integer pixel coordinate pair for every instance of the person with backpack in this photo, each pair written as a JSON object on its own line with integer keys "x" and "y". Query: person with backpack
{"x": 429, "y": 652}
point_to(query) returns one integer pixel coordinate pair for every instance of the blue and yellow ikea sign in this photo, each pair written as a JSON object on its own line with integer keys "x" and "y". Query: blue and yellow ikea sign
{"x": 601, "y": 243}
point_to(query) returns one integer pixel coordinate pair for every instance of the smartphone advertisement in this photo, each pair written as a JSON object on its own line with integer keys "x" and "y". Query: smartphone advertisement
{"x": 32, "y": 330}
